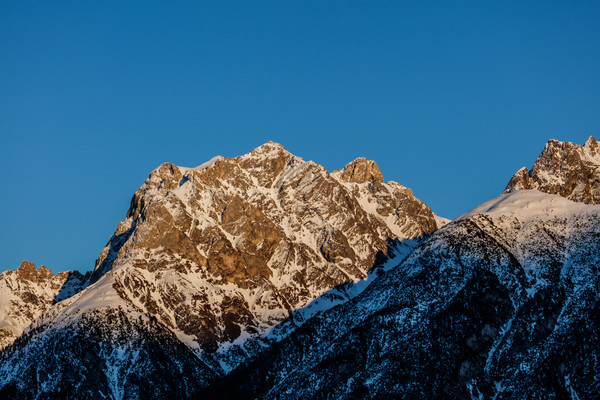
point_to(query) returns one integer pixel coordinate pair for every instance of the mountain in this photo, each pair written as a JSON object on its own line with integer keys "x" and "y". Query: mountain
{"x": 265, "y": 276}
{"x": 502, "y": 303}
{"x": 27, "y": 292}
{"x": 566, "y": 169}
{"x": 208, "y": 261}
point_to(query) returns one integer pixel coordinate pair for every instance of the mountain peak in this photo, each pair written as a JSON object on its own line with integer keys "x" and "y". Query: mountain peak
{"x": 250, "y": 239}
{"x": 27, "y": 292}
{"x": 361, "y": 170}
{"x": 269, "y": 147}
{"x": 565, "y": 169}
{"x": 28, "y": 271}
{"x": 26, "y": 266}
{"x": 591, "y": 143}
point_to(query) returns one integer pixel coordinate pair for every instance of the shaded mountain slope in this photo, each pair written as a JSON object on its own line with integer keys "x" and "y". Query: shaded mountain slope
{"x": 502, "y": 304}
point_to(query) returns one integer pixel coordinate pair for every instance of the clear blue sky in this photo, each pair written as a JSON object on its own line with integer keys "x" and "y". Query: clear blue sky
{"x": 450, "y": 98}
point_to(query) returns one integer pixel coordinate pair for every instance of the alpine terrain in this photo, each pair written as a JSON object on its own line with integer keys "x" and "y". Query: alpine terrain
{"x": 265, "y": 276}
{"x": 206, "y": 266}
{"x": 27, "y": 292}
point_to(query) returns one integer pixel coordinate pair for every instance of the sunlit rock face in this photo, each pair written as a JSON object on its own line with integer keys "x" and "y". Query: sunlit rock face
{"x": 230, "y": 248}
{"x": 566, "y": 169}
{"x": 27, "y": 292}
{"x": 213, "y": 258}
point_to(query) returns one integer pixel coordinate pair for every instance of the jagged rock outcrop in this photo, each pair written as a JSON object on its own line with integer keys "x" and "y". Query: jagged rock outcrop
{"x": 566, "y": 169}
{"x": 218, "y": 255}
{"x": 253, "y": 238}
{"x": 362, "y": 170}
{"x": 27, "y": 292}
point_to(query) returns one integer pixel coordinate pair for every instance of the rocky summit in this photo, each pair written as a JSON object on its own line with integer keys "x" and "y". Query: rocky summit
{"x": 566, "y": 169}
{"x": 27, "y": 292}
{"x": 216, "y": 258}
{"x": 267, "y": 277}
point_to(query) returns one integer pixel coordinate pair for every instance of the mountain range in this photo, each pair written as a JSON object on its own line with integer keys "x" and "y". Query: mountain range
{"x": 266, "y": 276}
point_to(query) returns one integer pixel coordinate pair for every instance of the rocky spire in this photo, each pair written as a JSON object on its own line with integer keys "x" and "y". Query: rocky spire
{"x": 28, "y": 271}
{"x": 563, "y": 168}
{"x": 361, "y": 170}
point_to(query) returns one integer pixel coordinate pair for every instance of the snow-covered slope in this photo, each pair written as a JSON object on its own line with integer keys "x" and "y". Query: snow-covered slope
{"x": 529, "y": 205}
{"x": 502, "y": 303}
{"x": 216, "y": 256}
{"x": 569, "y": 170}
{"x": 27, "y": 292}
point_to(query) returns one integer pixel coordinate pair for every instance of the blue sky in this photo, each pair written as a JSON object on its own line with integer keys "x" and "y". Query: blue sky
{"x": 450, "y": 98}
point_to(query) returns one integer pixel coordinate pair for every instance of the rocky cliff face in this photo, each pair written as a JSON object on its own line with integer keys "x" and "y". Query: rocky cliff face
{"x": 566, "y": 169}
{"x": 227, "y": 250}
{"x": 217, "y": 256}
{"x": 27, "y": 292}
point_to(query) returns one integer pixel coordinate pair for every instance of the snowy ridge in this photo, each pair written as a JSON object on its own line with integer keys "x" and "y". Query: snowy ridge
{"x": 527, "y": 205}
